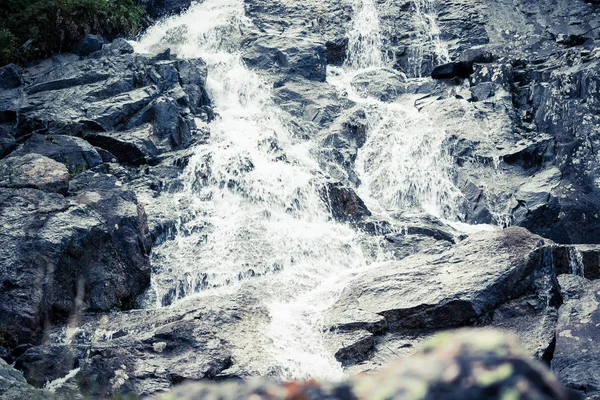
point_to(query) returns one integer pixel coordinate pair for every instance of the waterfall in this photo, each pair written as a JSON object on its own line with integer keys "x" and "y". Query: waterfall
{"x": 251, "y": 204}
{"x": 364, "y": 39}
{"x": 251, "y": 201}
{"x": 576, "y": 266}
{"x": 403, "y": 166}
{"x": 427, "y": 40}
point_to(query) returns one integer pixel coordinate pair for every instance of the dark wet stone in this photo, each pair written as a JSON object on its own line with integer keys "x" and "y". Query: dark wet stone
{"x": 460, "y": 69}
{"x": 89, "y": 44}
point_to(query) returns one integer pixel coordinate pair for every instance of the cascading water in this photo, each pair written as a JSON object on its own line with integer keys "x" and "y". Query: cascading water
{"x": 427, "y": 41}
{"x": 403, "y": 166}
{"x": 252, "y": 202}
{"x": 364, "y": 42}
{"x": 576, "y": 265}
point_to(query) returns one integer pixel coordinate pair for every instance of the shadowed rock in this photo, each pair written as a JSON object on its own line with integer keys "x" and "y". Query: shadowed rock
{"x": 344, "y": 203}
{"x": 459, "y": 69}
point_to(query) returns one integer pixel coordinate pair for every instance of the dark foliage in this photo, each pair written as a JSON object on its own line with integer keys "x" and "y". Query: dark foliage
{"x": 31, "y": 29}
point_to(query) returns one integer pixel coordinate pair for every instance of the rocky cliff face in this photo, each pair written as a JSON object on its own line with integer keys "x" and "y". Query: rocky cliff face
{"x": 114, "y": 166}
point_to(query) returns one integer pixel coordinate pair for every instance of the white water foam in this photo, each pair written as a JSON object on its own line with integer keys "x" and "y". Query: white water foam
{"x": 403, "y": 166}
{"x": 364, "y": 39}
{"x": 427, "y": 40}
{"x": 252, "y": 202}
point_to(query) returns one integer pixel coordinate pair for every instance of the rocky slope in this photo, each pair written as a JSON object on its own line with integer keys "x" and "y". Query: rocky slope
{"x": 89, "y": 143}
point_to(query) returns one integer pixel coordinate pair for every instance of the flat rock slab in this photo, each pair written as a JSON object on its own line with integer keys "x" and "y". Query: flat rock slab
{"x": 148, "y": 351}
{"x": 450, "y": 289}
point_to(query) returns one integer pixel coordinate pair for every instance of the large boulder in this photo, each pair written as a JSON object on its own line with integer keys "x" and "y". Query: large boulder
{"x": 13, "y": 385}
{"x": 62, "y": 256}
{"x": 122, "y": 91}
{"x": 73, "y": 152}
{"x": 501, "y": 278}
{"x": 144, "y": 352}
{"x": 34, "y": 171}
{"x": 11, "y": 77}
{"x": 454, "y": 288}
{"x": 89, "y": 44}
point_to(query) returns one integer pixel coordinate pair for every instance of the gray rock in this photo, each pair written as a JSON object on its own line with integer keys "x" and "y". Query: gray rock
{"x": 192, "y": 77}
{"x": 75, "y": 153}
{"x": 355, "y": 320}
{"x": 287, "y": 55}
{"x": 383, "y": 84}
{"x": 532, "y": 320}
{"x": 344, "y": 203}
{"x": 119, "y": 46}
{"x": 144, "y": 352}
{"x": 134, "y": 147}
{"x": 336, "y": 51}
{"x": 161, "y": 8}
{"x": 460, "y": 365}
{"x": 119, "y": 91}
{"x": 7, "y": 142}
{"x": 458, "y": 286}
{"x": 317, "y": 105}
{"x": 576, "y": 359}
{"x": 10, "y": 77}
{"x": 63, "y": 256}
{"x": 34, "y": 171}
{"x": 13, "y": 385}
{"x": 327, "y": 20}
{"x": 89, "y": 44}
{"x": 352, "y": 346}
{"x": 44, "y": 364}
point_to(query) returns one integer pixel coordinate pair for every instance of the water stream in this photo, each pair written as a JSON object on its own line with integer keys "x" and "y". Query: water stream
{"x": 427, "y": 41}
{"x": 251, "y": 204}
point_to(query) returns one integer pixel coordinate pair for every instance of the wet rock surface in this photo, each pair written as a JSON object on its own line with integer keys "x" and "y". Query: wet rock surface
{"x": 13, "y": 385}
{"x": 75, "y": 238}
{"x": 64, "y": 255}
{"x": 90, "y": 142}
{"x": 576, "y": 357}
{"x": 505, "y": 279}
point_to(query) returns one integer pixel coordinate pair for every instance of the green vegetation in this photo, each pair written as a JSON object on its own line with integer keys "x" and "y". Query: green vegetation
{"x": 31, "y": 29}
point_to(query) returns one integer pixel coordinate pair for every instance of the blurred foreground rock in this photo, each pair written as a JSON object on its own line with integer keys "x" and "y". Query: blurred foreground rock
{"x": 467, "y": 364}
